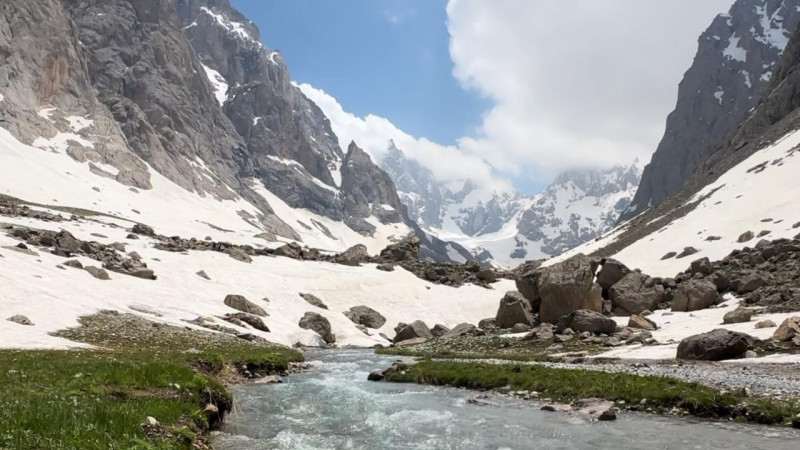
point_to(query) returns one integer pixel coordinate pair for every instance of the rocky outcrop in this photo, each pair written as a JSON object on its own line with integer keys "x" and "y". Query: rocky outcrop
{"x": 405, "y": 250}
{"x": 239, "y": 302}
{"x": 568, "y": 286}
{"x": 366, "y": 316}
{"x": 735, "y": 61}
{"x": 514, "y": 309}
{"x": 715, "y": 345}
{"x": 313, "y": 300}
{"x": 318, "y": 324}
{"x": 353, "y": 256}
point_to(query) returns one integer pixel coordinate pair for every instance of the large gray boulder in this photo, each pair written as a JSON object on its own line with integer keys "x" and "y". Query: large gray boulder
{"x": 789, "y": 330}
{"x": 695, "y": 294}
{"x": 568, "y": 286}
{"x": 364, "y": 315}
{"x": 415, "y": 330}
{"x": 636, "y": 293}
{"x": 513, "y": 309}
{"x": 715, "y": 345}
{"x": 584, "y": 320}
{"x": 527, "y": 281}
{"x": 239, "y": 302}
{"x": 611, "y": 272}
{"x": 739, "y": 315}
{"x": 318, "y": 324}
{"x": 353, "y": 256}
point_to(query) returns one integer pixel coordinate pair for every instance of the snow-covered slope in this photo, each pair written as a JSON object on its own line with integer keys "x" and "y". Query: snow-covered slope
{"x": 54, "y": 298}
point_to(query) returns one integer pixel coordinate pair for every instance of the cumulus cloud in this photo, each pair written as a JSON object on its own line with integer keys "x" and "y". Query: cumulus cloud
{"x": 373, "y": 134}
{"x": 575, "y": 83}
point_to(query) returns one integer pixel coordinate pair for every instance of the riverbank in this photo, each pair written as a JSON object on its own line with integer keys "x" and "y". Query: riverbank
{"x": 141, "y": 386}
{"x": 656, "y": 394}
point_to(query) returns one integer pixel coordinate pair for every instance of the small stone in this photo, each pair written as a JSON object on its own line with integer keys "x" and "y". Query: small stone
{"x": 203, "y": 274}
{"x": 376, "y": 375}
{"x": 20, "y": 319}
{"x": 766, "y": 324}
{"x": 746, "y": 236}
{"x": 98, "y": 273}
{"x": 74, "y": 263}
{"x": 608, "y": 415}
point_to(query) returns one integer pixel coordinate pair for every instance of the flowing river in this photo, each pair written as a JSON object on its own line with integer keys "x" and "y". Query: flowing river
{"x": 335, "y": 407}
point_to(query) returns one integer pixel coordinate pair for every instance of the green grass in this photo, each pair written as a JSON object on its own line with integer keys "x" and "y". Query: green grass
{"x": 567, "y": 385}
{"x": 98, "y": 400}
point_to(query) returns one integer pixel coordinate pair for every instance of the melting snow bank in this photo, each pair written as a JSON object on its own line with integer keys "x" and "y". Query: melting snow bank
{"x": 53, "y": 298}
{"x": 336, "y": 407}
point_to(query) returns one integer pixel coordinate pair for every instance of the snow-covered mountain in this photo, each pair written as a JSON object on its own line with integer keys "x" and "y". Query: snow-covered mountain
{"x": 735, "y": 61}
{"x": 506, "y": 227}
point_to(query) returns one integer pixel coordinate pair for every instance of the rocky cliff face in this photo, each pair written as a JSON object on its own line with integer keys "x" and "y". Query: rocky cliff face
{"x": 735, "y": 61}
{"x": 417, "y": 187}
{"x": 184, "y": 89}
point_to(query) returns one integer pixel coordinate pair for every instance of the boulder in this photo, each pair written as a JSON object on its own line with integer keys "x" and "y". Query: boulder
{"x": 584, "y": 320}
{"x": 751, "y": 282}
{"x": 239, "y": 254}
{"x": 789, "y": 329}
{"x": 74, "y": 263}
{"x": 143, "y": 229}
{"x": 520, "y": 328}
{"x": 414, "y": 330}
{"x": 97, "y": 272}
{"x": 636, "y": 293}
{"x": 487, "y": 275}
{"x": 313, "y": 300}
{"x": 702, "y": 266}
{"x": 527, "y": 281}
{"x": 249, "y": 319}
{"x": 405, "y": 250}
{"x": 439, "y": 330}
{"x": 399, "y": 326}
{"x": 318, "y": 324}
{"x": 568, "y": 286}
{"x": 376, "y": 375}
{"x": 514, "y": 309}
{"x": 720, "y": 281}
{"x": 353, "y": 256}
{"x": 642, "y": 323}
{"x": 716, "y": 345}
{"x": 143, "y": 273}
{"x": 766, "y": 324}
{"x": 746, "y": 236}
{"x": 687, "y": 251}
{"x": 463, "y": 329}
{"x": 239, "y": 302}
{"x": 739, "y": 315}
{"x": 386, "y": 267}
{"x": 487, "y": 324}
{"x": 409, "y": 342}
{"x": 611, "y": 272}
{"x": 694, "y": 294}
{"x": 290, "y": 250}
{"x": 364, "y": 315}
{"x": 20, "y": 319}
{"x": 203, "y": 274}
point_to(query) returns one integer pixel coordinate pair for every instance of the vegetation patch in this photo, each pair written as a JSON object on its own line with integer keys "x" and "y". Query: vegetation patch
{"x": 633, "y": 392}
{"x": 102, "y": 399}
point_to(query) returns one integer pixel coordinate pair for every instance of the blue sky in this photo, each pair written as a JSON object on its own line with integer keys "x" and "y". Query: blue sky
{"x": 387, "y": 57}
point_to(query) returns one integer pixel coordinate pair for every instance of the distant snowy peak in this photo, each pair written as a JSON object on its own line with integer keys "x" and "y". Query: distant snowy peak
{"x": 735, "y": 61}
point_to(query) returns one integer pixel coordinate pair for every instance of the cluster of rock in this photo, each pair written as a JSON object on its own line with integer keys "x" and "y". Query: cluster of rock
{"x": 11, "y": 208}
{"x": 63, "y": 243}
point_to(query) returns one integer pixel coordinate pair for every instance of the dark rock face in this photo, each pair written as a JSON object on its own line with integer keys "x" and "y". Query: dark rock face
{"x": 735, "y": 61}
{"x": 416, "y": 186}
{"x": 366, "y": 316}
{"x": 636, "y": 293}
{"x": 568, "y": 286}
{"x": 244, "y": 305}
{"x": 611, "y": 272}
{"x": 584, "y": 320}
{"x": 693, "y": 295}
{"x": 405, "y": 250}
{"x": 514, "y": 309}
{"x": 414, "y": 330}
{"x": 318, "y": 324}
{"x": 715, "y": 345}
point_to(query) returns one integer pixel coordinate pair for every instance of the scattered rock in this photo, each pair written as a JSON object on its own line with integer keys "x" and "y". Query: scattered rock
{"x": 414, "y": 330}
{"x": 611, "y": 272}
{"x": 239, "y": 254}
{"x": 608, "y": 415}
{"x": 763, "y": 233}
{"x": 376, "y": 375}
{"x": 463, "y": 329}
{"x": 487, "y": 324}
{"x": 766, "y": 324}
{"x": 641, "y": 323}
{"x": 239, "y": 302}
{"x": 405, "y": 250}
{"x": 364, "y": 315}
{"x": 746, "y": 236}
{"x": 20, "y": 319}
{"x": 249, "y": 319}
{"x": 669, "y": 255}
{"x": 386, "y": 267}
{"x": 687, "y": 251}
{"x": 314, "y": 300}
{"x": 636, "y": 293}
{"x": 353, "y": 256}
{"x": 290, "y": 250}
{"x": 716, "y": 345}
{"x": 514, "y": 309}
{"x": 74, "y": 263}
{"x": 702, "y": 266}
{"x": 318, "y": 324}
{"x": 203, "y": 274}
{"x": 143, "y": 230}
{"x": 789, "y": 329}
{"x": 520, "y": 328}
{"x": 751, "y": 282}
{"x": 439, "y": 330}
{"x": 739, "y": 315}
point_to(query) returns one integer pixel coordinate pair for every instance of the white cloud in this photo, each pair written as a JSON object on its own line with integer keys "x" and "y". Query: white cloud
{"x": 373, "y": 133}
{"x": 575, "y": 83}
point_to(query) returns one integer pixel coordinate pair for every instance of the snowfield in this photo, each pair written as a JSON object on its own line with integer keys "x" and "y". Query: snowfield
{"x": 54, "y": 298}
